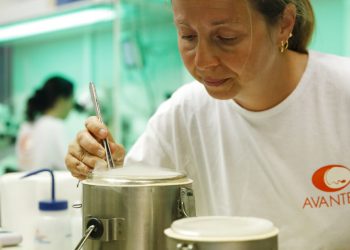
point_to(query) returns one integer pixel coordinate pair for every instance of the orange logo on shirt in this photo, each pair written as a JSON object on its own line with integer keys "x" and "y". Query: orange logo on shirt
{"x": 331, "y": 178}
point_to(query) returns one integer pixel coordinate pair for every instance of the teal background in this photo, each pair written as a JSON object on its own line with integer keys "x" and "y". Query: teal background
{"x": 332, "y": 32}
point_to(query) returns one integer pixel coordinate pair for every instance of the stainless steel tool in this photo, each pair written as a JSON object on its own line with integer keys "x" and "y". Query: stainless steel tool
{"x": 93, "y": 94}
{"x": 94, "y": 99}
{"x": 85, "y": 237}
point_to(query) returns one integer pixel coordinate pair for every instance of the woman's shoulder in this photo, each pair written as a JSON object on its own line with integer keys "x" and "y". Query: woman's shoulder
{"x": 332, "y": 64}
{"x": 331, "y": 72}
{"x": 25, "y": 127}
{"x": 49, "y": 123}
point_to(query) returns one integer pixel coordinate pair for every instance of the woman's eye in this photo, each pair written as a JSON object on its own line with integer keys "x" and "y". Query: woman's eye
{"x": 188, "y": 37}
{"x": 227, "y": 39}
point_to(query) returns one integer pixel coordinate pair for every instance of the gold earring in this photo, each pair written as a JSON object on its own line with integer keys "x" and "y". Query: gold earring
{"x": 285, "y": 44}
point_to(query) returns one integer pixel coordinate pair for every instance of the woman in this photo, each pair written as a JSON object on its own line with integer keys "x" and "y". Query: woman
{"x": 270, "y": 140}
{"x": 42, "y": 141}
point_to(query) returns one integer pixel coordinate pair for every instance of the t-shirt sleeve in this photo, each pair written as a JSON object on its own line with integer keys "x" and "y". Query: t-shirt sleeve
{"x": 150, "y": 149}
{"x": 166, "y": 140}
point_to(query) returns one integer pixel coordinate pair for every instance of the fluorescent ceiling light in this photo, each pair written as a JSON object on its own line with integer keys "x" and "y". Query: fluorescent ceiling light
{"x": 55, "y": 23}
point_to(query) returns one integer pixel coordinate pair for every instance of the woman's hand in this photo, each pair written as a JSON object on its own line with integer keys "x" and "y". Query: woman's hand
{"x": 86, "y": 151}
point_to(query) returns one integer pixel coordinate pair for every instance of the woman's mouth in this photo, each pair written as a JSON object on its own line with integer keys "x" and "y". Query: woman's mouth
{"x": 214, "y": 82}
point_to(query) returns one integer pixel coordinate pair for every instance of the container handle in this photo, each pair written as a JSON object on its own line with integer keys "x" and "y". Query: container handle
{"x": 77, "y": 205}
{"x": 185, "y": 246}
{"x": 186, "y": 204}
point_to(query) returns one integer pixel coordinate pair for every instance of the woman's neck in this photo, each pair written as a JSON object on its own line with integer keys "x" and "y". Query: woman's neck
{"x": 275, "y": 86}
{"x": 54, "y": 113}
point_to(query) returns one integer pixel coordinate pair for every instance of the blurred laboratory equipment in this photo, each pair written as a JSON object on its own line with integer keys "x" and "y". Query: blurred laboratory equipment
{"x": 8, "y": 132}
{"x": 9, "y": 238}
{"x": 52, "y": 229}
{"x": 19, "y": 200}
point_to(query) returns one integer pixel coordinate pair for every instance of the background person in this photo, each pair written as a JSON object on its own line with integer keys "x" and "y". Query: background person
{"x": 42, "y": 140}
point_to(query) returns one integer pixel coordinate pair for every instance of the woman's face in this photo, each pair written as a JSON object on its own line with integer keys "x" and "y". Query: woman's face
{"x": 66, "y": 105}
{"x": 225, "y": 44}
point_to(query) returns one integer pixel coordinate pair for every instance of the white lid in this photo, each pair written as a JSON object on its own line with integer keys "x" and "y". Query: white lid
{"x": 140, "y": 172}
{"x": 135, "y": 175}
{"x": 221, "y": 228}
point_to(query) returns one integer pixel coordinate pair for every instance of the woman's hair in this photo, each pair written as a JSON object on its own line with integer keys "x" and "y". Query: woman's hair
{"x": 45, "y": 98}
{"x": 272, "y": 10}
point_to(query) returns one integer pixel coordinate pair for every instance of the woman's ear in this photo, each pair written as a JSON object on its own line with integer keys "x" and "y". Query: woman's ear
{"x": 287, "y": 22}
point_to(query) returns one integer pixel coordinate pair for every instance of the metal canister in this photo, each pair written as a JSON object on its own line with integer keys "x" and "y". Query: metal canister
{"x": 222, "y": 233}
{"x": 129, "y": 208}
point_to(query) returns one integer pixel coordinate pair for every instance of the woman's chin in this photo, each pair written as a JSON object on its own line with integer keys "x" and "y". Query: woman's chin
{"x": 224, "y": 92}
{"x": 221, "y": 96}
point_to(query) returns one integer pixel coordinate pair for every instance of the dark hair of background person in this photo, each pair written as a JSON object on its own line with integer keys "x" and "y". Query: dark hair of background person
{"x": 45, "y": 98}
{"x": 272, "y": 10}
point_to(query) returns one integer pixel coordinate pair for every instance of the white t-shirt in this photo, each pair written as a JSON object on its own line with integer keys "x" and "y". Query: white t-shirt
{"x": 289, "y": 164}
{"x": 42, "y": 144}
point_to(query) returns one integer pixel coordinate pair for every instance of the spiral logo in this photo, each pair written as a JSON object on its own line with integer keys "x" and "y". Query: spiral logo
{"x": 331, "y": 178}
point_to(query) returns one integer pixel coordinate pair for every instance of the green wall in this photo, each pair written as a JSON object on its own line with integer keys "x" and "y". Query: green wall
{"x": 151, "y": 70}
{"x": 332, "y": 33}
{"x": 347, "y": 28}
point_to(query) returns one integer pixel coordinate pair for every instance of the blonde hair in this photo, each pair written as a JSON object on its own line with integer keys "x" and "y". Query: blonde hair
{"x": 305, "y": 19}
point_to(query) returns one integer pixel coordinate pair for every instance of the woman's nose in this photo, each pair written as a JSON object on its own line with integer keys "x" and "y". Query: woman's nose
{"x": 205, "y": 56}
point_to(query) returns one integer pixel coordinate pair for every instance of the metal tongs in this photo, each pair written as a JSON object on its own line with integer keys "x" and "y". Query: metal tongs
{"x": 110, "y": 162}
{"x": 93, "y": 94}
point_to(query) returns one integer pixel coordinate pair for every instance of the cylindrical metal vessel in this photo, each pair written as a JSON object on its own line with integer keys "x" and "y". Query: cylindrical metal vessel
{"x": 130, "y": 207}
{"x": 222, "y": 233}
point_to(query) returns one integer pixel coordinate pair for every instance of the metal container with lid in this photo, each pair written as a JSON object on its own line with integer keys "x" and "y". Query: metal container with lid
{"x": 130, "y": 207}
{"x": 222, "y": 233}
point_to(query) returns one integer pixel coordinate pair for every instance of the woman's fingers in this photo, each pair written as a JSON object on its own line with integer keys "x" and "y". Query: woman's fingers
{"x": 118, "y": 153}
{"x": 76, "y": 167}
{"x": 100, "y": 131}
{"x": 87, "y": 143}
{"x": 83, "y": 156}
{"x": 86, "y": 152}
{"x": 79, "y": 161}
{"x": 97, "y": 128}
